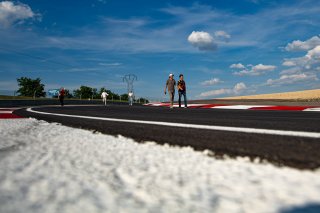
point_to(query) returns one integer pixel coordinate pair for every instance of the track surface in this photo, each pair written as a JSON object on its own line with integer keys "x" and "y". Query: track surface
{"x": 299, "y": 152}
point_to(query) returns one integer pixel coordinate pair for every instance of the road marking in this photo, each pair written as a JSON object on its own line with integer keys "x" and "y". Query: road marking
{"x": 196, "y": 126}
{"x": 239, "y": 106}
{"x": 245, "y": 107}
{"x": 313, "y": 109}
{"x": 6, "y": 113}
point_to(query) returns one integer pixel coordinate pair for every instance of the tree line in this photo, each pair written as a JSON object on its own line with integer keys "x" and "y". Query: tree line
{"x": 34, "y": 88}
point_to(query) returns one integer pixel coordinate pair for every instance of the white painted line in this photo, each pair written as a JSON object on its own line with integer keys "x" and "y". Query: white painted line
{"x": 238, "y": 106}
{"x": 196, "y": 126}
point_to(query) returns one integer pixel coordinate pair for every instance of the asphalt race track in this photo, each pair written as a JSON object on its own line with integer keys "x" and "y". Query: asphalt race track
{"x": 192, "y": 127}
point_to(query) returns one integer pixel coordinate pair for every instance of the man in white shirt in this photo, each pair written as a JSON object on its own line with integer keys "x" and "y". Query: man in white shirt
{"x": 104, "y": 95}
{"x": 130, "y": 95}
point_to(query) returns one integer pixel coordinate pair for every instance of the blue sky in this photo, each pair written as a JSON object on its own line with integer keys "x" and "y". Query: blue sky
{"x": 223, "y": 48}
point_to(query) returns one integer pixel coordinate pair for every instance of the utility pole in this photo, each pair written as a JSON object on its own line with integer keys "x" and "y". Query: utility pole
{"x": 129, "y": 79}
{"x": 92, "y": 93}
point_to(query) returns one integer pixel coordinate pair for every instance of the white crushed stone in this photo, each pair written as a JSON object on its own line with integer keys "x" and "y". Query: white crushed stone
{"x": 46, "y": 167}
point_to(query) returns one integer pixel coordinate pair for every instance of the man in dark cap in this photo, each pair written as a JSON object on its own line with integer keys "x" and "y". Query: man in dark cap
{"x": 182, "y": 90}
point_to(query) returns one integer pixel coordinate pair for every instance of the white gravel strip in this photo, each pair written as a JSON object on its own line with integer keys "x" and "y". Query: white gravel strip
{"x": 52, "y": 168}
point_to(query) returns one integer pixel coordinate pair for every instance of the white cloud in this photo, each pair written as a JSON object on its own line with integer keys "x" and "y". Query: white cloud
{"x": 215, "y": 93}
{"x": 110, "y": 64}
{"x": 261, "y": 67}
{"x": 237, "y": 66}
{"x": 222, "y": 34}
{"x": 288, "y": 63}
{"x": 202, "y": 40}
{"x": 291, "y": 71}
{"x": 212, "y": 82}
{"x": 130, "y": 35}
{"x": 11, "y": 13}
{"x": 311, "y": 61}
{"x": 303, "y": 45}
{"x": 302, "y": 69}
{"x": 238, "y": 88}
{"x": 291, "y": 79}
{"x": 314, "y": 53}
{"x": 256, "y": 70}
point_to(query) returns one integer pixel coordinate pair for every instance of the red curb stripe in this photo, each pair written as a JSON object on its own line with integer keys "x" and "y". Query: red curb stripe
{"x": 284, "y": 108}
{"x": 9, "y": 116}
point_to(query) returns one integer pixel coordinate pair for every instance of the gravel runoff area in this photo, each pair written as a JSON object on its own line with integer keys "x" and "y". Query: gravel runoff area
{"x": 47, "y": 167}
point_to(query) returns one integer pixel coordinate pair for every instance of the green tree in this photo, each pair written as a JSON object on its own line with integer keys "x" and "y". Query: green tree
{"x": 95, "y": 93}
{"x": 124, "y": 97}
{"x": 68, "y": 94}
{"x": 113, "y": 95}
{"x": 30, "y": 87}
{"x": 142, "y": 100}
{"x": 98, "y": 94}
{"x": 85, "y": 92}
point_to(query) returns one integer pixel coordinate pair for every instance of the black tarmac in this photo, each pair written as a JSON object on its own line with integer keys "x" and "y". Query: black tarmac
{"x": 298, "y": 152}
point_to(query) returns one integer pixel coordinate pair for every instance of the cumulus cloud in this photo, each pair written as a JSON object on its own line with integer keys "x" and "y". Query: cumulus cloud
{"x": 251, "y": 70}
{"x": 303, "y": 45}
{"x": 301, "y": 69}
{"x": 212, "y": 82}
{"x": 237, "y": 89}
{"x": 202, "y": 40}
{"x": 314, "y": 53}
{"x": 11, "y": 13}
{"x": 291, "y": 79}
{"x": 311, "y": 61}
{"x": 237, "y": 66}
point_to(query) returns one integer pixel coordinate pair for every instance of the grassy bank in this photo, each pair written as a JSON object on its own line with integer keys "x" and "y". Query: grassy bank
{"x": 306, "y": 95}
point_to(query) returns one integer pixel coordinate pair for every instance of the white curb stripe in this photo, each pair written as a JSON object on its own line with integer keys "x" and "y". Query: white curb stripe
{"x": 5, "y": 112}
{"x": 316, "y": 109}
{"x": 196, "y": 126}
{"x": 239, "y": 106}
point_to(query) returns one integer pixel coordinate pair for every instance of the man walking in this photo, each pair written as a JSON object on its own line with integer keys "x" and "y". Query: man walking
{"x": 61, "y": 96}
{"x": 170, "y": 84}
{"x": 104, "y": 95}
{"x": 182, "y": 90}
{"x": 130, "y": 96}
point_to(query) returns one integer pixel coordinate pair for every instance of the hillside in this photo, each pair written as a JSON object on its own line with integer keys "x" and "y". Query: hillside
{"x": 298, "y": 95}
